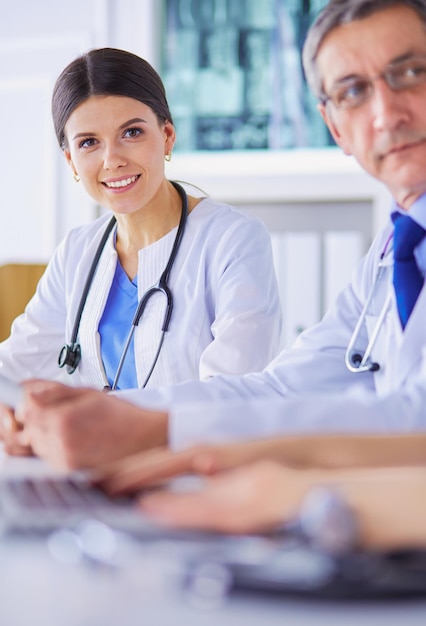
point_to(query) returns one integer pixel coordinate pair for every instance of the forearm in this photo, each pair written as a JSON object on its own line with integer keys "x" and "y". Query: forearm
{"x": 389, "y": 504}
{"x": 346, "y": 451}
{"x": 321, "y": 451}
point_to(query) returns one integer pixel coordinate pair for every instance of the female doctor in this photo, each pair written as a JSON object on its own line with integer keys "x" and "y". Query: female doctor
{"x": 173, "y": 287}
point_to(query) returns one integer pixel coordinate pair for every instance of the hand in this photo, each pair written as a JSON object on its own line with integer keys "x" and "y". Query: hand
{"x": 76, "y": 428}
{"x": 253, "y": 498}
{"x": 12, "y": 434}
{"x": 157, "y": 466}
{"x": 154, "y": 467}
{"x": 259, "y": 497}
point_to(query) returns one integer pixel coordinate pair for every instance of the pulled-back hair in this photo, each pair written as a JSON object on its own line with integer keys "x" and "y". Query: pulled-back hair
{"x": 106, "y": 72}
{"x": 336, "y": 13}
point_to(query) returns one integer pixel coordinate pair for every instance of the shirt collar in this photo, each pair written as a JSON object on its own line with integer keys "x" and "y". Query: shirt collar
{"x": 417, "y": 210}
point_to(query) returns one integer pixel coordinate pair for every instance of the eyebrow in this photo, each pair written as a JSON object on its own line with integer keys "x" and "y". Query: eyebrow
{"x": 134, "y": 120}
{"x": 399, "y": 59}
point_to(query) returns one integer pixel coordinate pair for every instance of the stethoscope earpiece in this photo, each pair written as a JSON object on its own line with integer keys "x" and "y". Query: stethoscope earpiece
{"x": 70, "y": 356}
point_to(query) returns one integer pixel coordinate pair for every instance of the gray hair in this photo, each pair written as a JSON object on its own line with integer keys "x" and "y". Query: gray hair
{"x": 336, "y": 13}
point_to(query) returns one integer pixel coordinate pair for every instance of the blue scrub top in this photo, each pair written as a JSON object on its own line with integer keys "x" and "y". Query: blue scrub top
{"x": 115, "y": 326}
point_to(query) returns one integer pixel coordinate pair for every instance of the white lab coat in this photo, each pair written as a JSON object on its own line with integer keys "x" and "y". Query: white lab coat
{"x": 226, "y": 315}
{"x": 308, "y": 388}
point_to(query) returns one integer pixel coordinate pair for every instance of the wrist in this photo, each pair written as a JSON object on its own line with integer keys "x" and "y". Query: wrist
{"x": 153, "y": 429}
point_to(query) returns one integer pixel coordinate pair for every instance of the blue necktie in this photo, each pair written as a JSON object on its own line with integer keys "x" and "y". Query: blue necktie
{"x": 407, "y": 279}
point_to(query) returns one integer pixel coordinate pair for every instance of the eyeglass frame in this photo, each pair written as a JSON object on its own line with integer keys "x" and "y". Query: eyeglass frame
{"x": 388, "y": 75}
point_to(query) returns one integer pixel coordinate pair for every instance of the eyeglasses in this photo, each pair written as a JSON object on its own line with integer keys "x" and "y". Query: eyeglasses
{"x": 350, "y": 93}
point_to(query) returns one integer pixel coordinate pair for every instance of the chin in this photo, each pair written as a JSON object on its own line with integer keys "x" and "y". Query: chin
{"x": 406, "y": 178}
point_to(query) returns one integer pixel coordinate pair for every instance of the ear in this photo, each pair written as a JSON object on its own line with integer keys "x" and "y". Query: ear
{"x": 67, "y": 155}
{"x": 337, "y": 136}
{"x": 170, "y": 137}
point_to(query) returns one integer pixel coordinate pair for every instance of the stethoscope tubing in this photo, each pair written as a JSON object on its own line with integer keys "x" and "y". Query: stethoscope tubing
{"x": 70, "y": 354}
{"x": 354, "y": 361}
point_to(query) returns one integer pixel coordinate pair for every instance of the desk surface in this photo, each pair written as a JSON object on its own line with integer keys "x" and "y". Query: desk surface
{"x": 37, "y": 589}
{"x": 41, "y": 583}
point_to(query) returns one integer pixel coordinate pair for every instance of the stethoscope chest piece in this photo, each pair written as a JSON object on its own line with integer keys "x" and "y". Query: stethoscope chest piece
{"x": 361, "y": 361}
{"x": 70, "y": 356}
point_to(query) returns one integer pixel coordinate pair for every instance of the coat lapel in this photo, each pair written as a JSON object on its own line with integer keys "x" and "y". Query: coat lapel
{"x": 413, "y": 340}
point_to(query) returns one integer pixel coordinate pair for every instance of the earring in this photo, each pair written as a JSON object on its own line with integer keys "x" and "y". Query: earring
{"x": 168, "y": 157}
{"x": 76, "y": 178}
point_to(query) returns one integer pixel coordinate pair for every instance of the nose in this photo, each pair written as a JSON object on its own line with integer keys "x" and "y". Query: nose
{"x": 113, "y": 156}
{"x": 388, "y": 106}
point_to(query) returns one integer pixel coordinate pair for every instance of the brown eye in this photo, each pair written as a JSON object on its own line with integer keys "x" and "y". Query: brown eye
{"x": 87, "y": 143}
{"x": 133, "y": 132}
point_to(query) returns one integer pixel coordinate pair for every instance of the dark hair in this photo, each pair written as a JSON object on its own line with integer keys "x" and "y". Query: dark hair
{"x": 336, "y": 13}
{"x": 106, "y": 72}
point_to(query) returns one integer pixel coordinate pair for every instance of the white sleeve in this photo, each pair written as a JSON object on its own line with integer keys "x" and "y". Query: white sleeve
{"x": 206, "y": 417}
{"x": 314, "y": 368}
{"x": 355, "y": 411}
{"x": 247, "y": 318}
{"x": 38, "y": 334}
{"x": 316, "y": 364}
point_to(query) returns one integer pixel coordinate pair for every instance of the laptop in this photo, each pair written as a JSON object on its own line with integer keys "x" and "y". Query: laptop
{"x": 36, "y": 501}
{"x": 43, "y": 502}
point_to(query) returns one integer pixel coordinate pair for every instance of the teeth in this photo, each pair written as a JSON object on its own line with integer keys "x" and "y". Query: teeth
{"x": 122, "y": 183}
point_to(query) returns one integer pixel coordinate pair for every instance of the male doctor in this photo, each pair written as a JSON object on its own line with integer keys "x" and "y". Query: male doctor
{"x": 363, "y": 367}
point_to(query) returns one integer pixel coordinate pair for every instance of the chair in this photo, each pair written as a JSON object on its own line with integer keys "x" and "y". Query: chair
{"x": 18, "y": 282}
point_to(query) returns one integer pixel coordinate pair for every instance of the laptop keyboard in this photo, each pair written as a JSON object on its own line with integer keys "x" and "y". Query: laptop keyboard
{"x": 45, "y": 503}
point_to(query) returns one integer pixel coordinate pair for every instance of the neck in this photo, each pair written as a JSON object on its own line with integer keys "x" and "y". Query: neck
{"x": 406, "y": 198}
{"x": 142, "y": 228}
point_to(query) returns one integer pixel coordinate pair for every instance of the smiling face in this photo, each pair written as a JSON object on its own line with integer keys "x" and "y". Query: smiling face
{"x": 116, "y": 145}
{"x": 387, "y": 132}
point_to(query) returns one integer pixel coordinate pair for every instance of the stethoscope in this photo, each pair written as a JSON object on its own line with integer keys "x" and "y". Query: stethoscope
{"x": 356, "y": 362}
{"x": 70, "y": 354}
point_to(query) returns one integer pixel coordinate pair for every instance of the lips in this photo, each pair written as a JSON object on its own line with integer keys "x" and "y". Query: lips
{"x": 405, "y": 146}
{"x": 122, "y": 183}
{"x": 395, "y": 144}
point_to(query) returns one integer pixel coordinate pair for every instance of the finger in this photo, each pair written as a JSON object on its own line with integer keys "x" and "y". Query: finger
{"x": 208, "y": 460}
{"x": 23, "y": 438}
{"x": 15, "y": 446}
{"x": 33, "y": 399}
{"x": 9, "y": 423}
{"x": 14, "y": 449}
{"x": 143, "y": 470}
{"x": 43, "y": 398}
{"x": 182, "y": 510}
{"x": 44, "y": 392}
{"x": 234, "y": 455}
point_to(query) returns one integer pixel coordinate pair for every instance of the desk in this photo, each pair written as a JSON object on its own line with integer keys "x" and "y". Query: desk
{"x": 41, "y": 585}
{"x": 36, "y": 589}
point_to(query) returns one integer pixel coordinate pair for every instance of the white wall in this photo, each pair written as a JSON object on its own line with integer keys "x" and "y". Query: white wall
{"x": 40, "y": 200}
{"x": 320, "y": 207}
{"x": 317, "y": 204}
